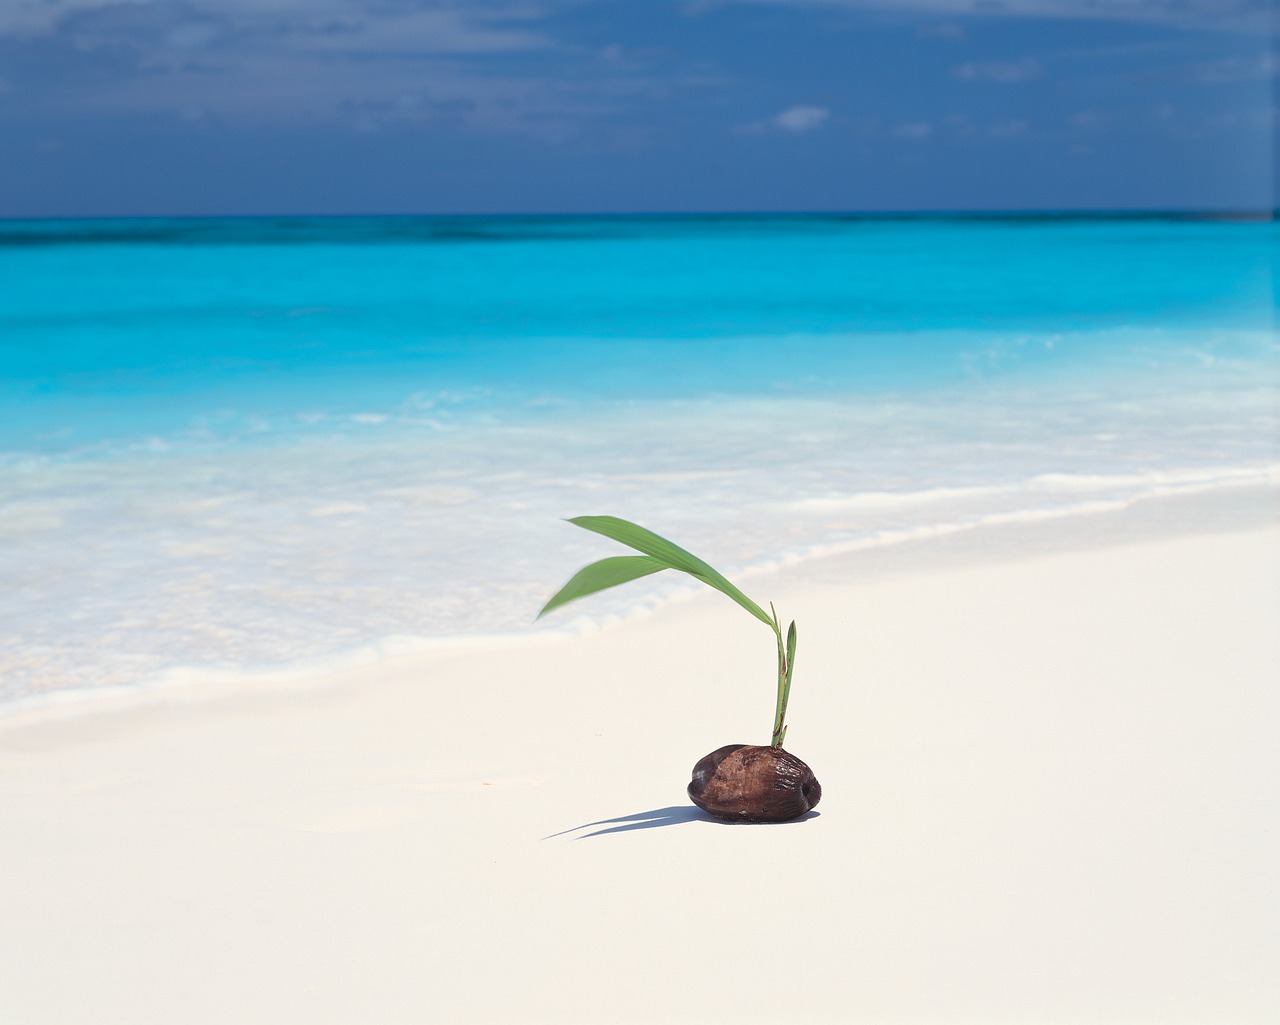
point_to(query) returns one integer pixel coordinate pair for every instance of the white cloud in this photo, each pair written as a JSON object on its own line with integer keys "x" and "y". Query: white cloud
{"x": 346, "y": 26}
{"x": 962, "y": 126}
{"x": 314, "y": 61}
{"x": 795, "y": 120}
{"x": 913, "y": 131}
{"x": 1004, "y": 72}
{"x": 801, "y": 119}
{"x": 1237, "y": 69}
{"x": 1224, "y": 15}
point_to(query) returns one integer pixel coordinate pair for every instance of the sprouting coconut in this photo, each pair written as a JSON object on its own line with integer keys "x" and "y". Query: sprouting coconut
{"x": 738, "y": 782}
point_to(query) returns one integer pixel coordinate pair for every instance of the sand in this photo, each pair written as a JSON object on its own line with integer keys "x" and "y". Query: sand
{"x": 1050, "y": 795}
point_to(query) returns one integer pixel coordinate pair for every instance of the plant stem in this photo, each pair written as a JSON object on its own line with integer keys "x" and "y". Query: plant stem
{"x": 784, "y": 679}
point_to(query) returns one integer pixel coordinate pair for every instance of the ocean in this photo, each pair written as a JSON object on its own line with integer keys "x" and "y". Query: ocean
{"x": 243, "y": 444}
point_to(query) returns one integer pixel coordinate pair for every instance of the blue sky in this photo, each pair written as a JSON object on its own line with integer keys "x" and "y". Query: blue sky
{"x": 177, "y": 107}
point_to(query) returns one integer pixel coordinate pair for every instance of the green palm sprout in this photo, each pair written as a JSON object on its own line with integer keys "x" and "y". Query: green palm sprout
{"x": 658, "y": 554}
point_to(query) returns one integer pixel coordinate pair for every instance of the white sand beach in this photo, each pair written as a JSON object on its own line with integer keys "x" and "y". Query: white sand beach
{"x": 1048, "y": 756}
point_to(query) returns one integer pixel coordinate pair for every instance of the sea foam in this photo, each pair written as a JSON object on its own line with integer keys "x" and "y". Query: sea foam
{"x": 128, "y": 566}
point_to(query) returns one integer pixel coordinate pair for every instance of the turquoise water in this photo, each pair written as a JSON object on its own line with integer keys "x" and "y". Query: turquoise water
{"x": 237, "y": 443}
{"x": 119, "y": 329}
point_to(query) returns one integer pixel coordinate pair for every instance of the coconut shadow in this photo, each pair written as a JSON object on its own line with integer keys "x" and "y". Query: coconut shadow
{"x": 673, "y": 815}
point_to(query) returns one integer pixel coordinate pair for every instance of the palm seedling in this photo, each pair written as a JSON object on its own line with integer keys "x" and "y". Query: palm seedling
{"x": 739, "y": 782}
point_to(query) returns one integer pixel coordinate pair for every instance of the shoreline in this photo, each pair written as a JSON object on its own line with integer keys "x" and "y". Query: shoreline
{"x": 1220, "y": 506}
{"x": 280, "y": 553}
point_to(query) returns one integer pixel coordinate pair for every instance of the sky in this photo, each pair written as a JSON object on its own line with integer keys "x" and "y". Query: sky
{"x": 259, "y": 107}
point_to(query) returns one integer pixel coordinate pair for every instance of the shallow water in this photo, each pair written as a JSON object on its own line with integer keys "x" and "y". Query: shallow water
{"x": 236, "y": 444}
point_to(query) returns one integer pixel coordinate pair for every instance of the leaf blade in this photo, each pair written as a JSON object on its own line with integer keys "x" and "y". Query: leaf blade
{"x": 791, "y": 653}
{"x": 600, "y": 575}
{"x": 671, "y": 555}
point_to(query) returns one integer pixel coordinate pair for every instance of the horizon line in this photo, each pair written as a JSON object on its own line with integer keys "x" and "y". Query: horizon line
{"x": 1029, "y": 213}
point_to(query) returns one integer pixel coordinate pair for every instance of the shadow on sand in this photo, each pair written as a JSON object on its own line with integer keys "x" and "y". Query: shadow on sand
{"x": 671, "y": 816}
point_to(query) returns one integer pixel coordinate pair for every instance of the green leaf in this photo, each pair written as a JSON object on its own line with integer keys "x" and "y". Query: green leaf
{"x": 670, "y": 555}
{"x": 791, "y": 653}
{"x": 786, "y": 666}
{"x": 603, "y": 574}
